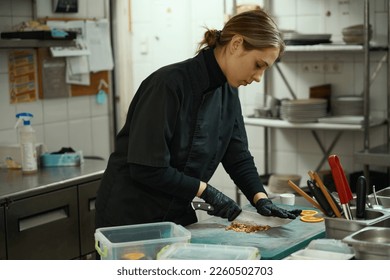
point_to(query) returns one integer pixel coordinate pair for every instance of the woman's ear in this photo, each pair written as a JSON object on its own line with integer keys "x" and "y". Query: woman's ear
{"x": 236, "y": 43}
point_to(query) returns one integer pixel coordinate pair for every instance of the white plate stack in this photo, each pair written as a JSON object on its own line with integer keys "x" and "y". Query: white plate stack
{"x": 303, "y": 110}
{"x": 355, "y": 34}
{"x": 347, "y": 106}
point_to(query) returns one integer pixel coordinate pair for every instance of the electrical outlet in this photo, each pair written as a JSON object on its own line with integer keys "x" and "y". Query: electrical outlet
{"x": 306, "y": 67}
{"x": 312, "y": 67}
{"x": 316, "y": 68}
{"x": 332, "y": 67}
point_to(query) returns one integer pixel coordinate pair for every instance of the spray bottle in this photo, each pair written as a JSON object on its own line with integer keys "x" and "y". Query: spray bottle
{"x": 27, "y": 143}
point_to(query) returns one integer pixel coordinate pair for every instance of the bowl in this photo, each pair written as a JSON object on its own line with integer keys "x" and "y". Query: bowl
{"x": 370, "y": 243}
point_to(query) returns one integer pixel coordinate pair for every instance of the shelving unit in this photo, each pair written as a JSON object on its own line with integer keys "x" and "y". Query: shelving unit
{"x": 380, "y": 155}
{"x": 369, "y": 156}
{"x": 30, "y": 43}
{"x": 313, "y": 127}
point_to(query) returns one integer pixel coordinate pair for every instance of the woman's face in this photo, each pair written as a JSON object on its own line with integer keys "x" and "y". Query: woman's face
{"x": 242, "y": 67}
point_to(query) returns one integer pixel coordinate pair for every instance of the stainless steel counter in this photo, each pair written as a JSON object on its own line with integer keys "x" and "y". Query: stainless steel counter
{"x": 14, "y": 185}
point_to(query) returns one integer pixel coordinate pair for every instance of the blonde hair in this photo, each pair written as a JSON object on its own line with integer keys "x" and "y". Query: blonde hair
{"x": 257, "y": 28}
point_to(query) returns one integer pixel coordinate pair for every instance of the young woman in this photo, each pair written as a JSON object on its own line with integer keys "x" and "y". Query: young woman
{"x": 185, "y": 120}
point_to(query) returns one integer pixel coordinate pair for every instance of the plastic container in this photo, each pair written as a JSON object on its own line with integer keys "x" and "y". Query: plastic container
{"x": 135, "y": 242}
{"x": 311, "y": 254}
{"x": 27, "y": 144}
{"x": 192, "y": 251}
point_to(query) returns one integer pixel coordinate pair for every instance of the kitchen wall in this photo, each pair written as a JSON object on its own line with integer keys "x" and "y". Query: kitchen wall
{"x": 77, "y": 122}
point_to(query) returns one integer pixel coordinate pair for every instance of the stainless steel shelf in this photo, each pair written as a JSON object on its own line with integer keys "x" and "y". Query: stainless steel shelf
{"x": 332, "y": 48}
{"x": 31, "y": 43}
{"x": 379, "y": 155}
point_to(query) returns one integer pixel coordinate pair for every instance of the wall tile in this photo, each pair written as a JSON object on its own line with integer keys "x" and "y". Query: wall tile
{"x": 80, "y": 135}
{"x": 5, "y": 8}
{"x": 4, "y": 64}
{"x": 140, "y": 10}
{"x": 79, "y": 107}
{"x": 95, "y": 9}
{"x": 283, "y": 140}
{"x": 284, "y": 8}
{"x": 100, "y": 137}
{"x": 55, "y": 110}
{"x": 5, "y": 24}
{"x": 8, "y": 136}
{"x": 21, "y": 8}
{"x": 7, "y": 111}
{"x": 56, "y": 136}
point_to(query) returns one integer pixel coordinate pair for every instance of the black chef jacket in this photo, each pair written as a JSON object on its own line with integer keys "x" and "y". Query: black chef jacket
{"x": 176, "y": 126}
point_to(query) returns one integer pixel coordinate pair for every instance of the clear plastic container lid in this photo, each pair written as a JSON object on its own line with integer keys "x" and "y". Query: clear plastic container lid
{"x": 191, "y": 251}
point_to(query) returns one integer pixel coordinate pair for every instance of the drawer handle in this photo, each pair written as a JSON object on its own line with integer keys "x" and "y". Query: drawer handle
{"x": 92, "y": 204}
{"x": 43, "y": 218}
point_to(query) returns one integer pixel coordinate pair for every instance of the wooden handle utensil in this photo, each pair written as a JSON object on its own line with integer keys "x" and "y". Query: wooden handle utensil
{"x": 305, "y": 195}
{"x": 315, "y": 177}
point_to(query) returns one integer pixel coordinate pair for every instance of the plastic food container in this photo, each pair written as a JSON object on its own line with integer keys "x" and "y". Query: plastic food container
{"x": 136, "y": 242}
{"x": 191, "y": 251}
{"x": 311, "y": 254}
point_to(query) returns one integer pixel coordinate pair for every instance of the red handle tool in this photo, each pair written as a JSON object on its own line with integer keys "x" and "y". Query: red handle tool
{"x": 341, "y": 183}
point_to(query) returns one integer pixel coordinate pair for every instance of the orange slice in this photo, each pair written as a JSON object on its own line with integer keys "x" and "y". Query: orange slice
{"x": 133, "y": 256}
{"x": 311, "y": 219}
{"x": 308, "y": 212}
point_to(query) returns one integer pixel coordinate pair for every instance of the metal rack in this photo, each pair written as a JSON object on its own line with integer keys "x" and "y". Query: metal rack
{"x": 369, "y": 156}
{"x": 380, "y": 155}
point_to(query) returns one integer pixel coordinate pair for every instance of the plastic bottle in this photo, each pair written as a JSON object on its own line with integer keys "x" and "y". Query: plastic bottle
{"x": 27, "y": 144}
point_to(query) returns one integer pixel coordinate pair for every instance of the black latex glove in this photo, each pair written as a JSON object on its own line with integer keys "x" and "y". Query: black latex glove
{"x": 224, "y": 206}
{"x": 265, "y": 207}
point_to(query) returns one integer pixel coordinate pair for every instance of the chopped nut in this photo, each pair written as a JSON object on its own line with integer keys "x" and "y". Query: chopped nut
{"x": 240, "y": 227}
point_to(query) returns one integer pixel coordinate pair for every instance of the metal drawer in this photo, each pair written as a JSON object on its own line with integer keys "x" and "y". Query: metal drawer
{"x": 44, "y": 226}
{"x": 87, "y": 197}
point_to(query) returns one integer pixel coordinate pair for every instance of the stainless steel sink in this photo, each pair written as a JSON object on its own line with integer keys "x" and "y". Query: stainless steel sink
{"x": 383, "y": 198}
{"x": 338, "y": 228}
{"x": 370, "y": 243}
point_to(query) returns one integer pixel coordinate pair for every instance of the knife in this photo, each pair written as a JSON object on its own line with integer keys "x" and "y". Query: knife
{"x": 361, "y": 189}
{"x": 319, "y": 196}
{"x": 342, "y": 185}
{"x": 328, "y": 196}
{"x": 199, "y": 205}
{"x": 246, "y": 217}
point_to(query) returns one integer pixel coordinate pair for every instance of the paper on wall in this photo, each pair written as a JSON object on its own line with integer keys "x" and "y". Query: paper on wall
{"x": 98, "y": 41}
{"x": 77, "y": 70}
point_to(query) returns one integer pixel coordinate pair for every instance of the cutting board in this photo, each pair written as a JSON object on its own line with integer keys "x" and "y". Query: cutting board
{"x": 274, "y": 244}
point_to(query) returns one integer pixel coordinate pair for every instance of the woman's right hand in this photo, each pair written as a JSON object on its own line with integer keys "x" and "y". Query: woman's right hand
{"x": 224, "y": 206}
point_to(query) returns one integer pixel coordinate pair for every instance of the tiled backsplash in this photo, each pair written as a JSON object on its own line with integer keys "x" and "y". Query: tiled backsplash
{"x": 77, "y": 122}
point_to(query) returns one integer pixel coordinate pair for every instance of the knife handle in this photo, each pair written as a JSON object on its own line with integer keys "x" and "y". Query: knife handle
{"x": 319, "y": 196}
{"x": 361, "y": 188}
{"x": 199, "y": 205}
{"x": 326, "y": 193}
